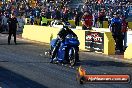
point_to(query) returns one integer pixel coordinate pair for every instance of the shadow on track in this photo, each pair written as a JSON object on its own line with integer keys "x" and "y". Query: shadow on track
{"x": 19, "y": 43}
{"x": 14, "y": 80}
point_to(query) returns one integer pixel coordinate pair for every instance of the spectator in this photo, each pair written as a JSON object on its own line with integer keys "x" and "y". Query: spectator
{"x": 85, "y": 7}
{"x": 101, "y": 18}
{"x": 4, "y": 23}
{"x": 37, "y": 21}
{"x": 32, "y": 19}
{"x": 110, "y": 16}
{"x": 95, "y": 19}
{"x": 44, "y": 20}
{"x": 0, "y": 22}
{"x": 57, "y": 14}
{"x": 124, "y": 31}
{"x": 65, "y": 16}
{"x": 53, "y": 14}
{"x": 48, "y": 14}
{"x": 87, "y": 21}
{"x": 21, "y": 23}
{"x": 77, "y": 19}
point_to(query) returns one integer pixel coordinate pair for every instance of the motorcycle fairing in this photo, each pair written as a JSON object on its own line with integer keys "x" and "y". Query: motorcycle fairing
{"x": 62, "y": 52}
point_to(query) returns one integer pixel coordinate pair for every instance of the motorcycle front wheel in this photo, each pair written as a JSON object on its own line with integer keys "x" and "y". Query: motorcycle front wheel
{"x": 72, "y": 56}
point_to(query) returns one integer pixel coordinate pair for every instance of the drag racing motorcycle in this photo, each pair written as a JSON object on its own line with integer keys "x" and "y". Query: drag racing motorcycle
{"x": 68, "y": 50}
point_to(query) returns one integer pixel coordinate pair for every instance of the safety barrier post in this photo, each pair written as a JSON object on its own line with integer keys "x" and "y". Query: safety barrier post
{"x": 128, "y": 52}
{"x": 109, "y": 44}
{"x": 81, "y": 38}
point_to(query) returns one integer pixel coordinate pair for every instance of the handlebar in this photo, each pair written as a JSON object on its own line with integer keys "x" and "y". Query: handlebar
{"x": 71, "y": 36}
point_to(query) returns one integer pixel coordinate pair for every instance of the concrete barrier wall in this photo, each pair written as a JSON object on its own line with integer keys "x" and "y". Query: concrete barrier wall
{"x": 81, "y": 37}
{"x": 128, "y": 52}
{"x": 109, "y": 44}
{"x": 46, "y": 34}
{"x": 130, "y": 25}
{"x": 39, "y": 33}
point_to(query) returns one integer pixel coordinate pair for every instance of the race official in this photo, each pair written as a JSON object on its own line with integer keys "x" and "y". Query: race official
{"x": 116, "y": 29}
{"x": 12, "y": 23}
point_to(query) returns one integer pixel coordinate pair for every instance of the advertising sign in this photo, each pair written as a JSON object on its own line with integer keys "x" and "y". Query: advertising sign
{"x": 94, "y": 41}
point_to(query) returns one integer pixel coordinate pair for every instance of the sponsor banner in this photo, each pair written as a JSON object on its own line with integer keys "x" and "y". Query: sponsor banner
{"x": 94, "y": 41}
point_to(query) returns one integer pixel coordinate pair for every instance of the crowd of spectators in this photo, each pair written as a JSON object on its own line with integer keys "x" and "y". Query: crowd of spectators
{"x": 100, "y": 10}
{"x": 6, "y": 9}
{"x": 59, "y": 9}
{"x": 52, "y": 10}
{"x": 104, "y": 9}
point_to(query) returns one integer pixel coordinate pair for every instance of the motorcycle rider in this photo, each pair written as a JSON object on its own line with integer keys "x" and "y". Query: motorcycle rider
{"x": 61, "y": 37}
